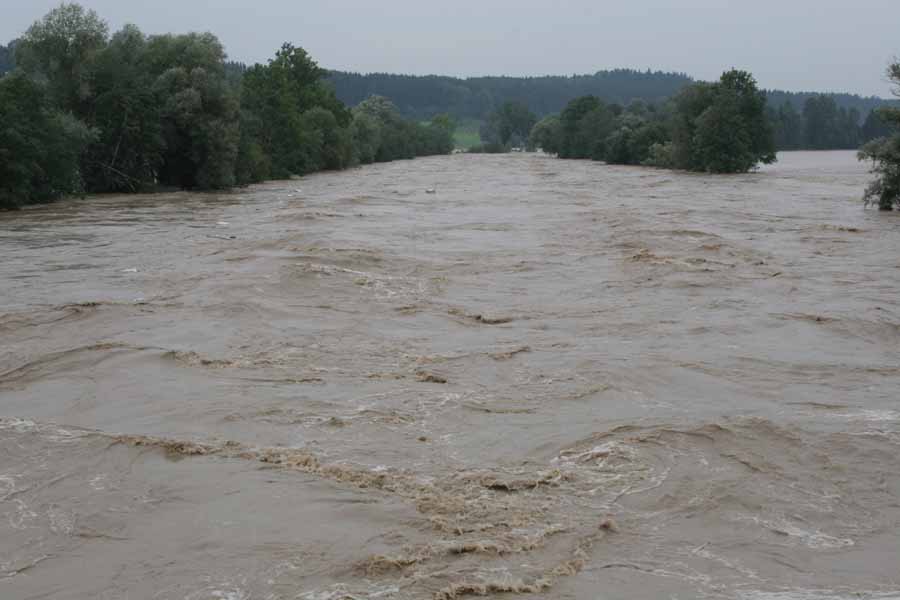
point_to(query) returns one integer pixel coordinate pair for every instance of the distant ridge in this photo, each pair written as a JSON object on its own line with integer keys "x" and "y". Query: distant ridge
{"x": 423, "y": 96}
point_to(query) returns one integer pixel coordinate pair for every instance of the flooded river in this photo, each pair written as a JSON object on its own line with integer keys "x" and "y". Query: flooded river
{"x": 548, "y": 379}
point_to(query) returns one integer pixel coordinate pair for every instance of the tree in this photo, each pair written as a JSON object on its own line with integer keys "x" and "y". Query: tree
{"x": 874, "y": 127}
{"x": 253, "y": 164}
{"x": 437, "y": 136}
{"x": 721, "y": 144}
{"x": 546, "y": 135}
{"x": 851, "y": 133}
{"x": 61, "y": 49}
{"x": 788, "y": 126}
{"x": 630, "y": 144}
{"x": 593, "y": 130}
{"x": 382, "y": 114}
{"x": 329, "y": 146}
{"x": 722, "y": 127}
{"x": 585, "y": 124}
{"x": 884, "y": 153}
{"x": 39, "y": 146}
{"x": 509, "y": 124}
{"x": 199, "y": 112}
{"x": 475, "y": 98}
{"x": 399, "y": 138}
{"x": 379, "y": 108}
{"x": 445, "y": 123}
{"x": 129, "y": 150}
{"x": 420, "y": 98}
{"x": 278, "y": 95}
{"x": 366, "y": 132}
{"x": 86, "y": 112}
{"x": 821, "y": 116}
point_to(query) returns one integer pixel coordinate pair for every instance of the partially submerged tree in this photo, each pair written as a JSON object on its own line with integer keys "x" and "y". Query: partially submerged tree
{"x": 383, "y": 134}
{"x": 546, "y": 135}
{"x": 508, "y": 125}
{"x": 722, "y": 127}
{"x": 884, "y": 153}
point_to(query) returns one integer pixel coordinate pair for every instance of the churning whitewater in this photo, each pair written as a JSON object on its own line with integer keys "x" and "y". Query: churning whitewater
{"x": 547, "y": 379}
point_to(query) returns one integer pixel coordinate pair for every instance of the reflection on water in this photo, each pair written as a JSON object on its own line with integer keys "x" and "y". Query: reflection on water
{"x": 550, "y": 378}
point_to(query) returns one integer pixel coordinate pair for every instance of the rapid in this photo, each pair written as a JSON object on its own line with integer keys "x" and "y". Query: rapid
{"x": 548, "y": 379}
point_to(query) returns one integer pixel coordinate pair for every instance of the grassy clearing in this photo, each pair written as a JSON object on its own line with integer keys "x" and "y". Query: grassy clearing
{"x": 466, "y": 134}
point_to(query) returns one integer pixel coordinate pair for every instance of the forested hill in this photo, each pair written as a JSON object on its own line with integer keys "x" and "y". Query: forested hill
{"x": 422, "y": 97}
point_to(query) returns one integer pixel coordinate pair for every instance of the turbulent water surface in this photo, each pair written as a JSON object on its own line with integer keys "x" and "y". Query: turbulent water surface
{"x": 547, "y": 379}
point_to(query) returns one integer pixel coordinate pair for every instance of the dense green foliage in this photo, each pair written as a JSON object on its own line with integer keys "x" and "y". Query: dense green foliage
{"x": 884, "y": 153}
{"x": 546, "y": 135}
{"x": 875, "y": 126}
{"x": 61, "y": 51}
{"x": 507, "y": 126}
{"x": 717, "y": 127}
{"x": 294, "y": 123}
{"x": 39, "y": 145}
{"x": 722, "y": 127}
{"x": 86, "y": 111}
{"x": 586, "y": 122}
{"x": 479, "y": 97}
{"x": 849, "y": 112}
{"x": 822, "y": 125}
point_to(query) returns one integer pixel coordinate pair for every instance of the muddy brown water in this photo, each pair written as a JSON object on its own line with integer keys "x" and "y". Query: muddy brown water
{"x": 548, "y": 379}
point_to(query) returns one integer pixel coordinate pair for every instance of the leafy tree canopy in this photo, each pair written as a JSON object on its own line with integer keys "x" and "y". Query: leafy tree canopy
{"x": 39, "y": 145}
{"x": 720, "y": 127}
{"x": 884, "y": 153}
{"x": 129, "y": 112}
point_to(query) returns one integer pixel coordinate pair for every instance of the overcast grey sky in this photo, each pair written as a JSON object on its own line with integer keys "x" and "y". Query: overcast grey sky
{"x": 820, "y": 45}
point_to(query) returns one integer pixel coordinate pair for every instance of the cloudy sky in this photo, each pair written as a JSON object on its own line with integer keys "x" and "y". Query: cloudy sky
{"x": 820, "y": 45}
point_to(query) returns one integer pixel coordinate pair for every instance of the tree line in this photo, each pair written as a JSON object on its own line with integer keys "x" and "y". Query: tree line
{"x": 86, "y": 111}
{"x": 824, "y": 125}
{"x": 802, "y": 120}
{"x": 719, "y": 127}
{"x": 421, "y": 97}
